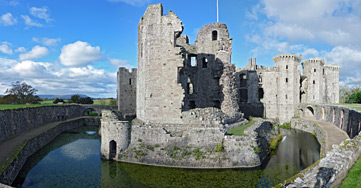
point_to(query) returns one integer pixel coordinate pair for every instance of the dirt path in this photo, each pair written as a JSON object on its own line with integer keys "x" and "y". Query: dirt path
{"x": 9, "y": 146}
{"x": 334, "y": 135}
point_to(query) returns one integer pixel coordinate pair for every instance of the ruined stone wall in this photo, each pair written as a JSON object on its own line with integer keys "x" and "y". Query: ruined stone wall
{"x": 191, "y": 146}
{"x": 15, "y": 121}
{"x": 112, "y": 129}
{"x": 126, "y": 91}
{"x": 159, "y": 96}
{"x": 10, "y": 170}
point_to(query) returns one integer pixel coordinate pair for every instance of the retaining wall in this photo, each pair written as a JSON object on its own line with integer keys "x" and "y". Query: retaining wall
{"x": 10, "y": 170}
{"x": 15, "y": 121}
{"x": 346, "y": 119}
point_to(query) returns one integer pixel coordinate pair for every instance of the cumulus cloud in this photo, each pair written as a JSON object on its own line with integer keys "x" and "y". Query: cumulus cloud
{"x": 335, "y": 22}
{"x": 30, "y": 22}
{"x": 8, "y": 19}
{"x": 51, "y": 78}
{"x": 35, "y": 53}
{"x": 5, "y": 48}
{"x": 47, "y": 41}
{"x": 132, "y": 2}
{"x": 120, "y": 63}
{"x": 79, "y": 54}
{"x": 20, "y": 49}
{"x": 41, "y": 13}
{"x": 14, "y": 3}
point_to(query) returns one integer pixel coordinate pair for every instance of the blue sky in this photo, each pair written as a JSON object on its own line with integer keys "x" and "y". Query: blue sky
{"x": 68, "y": 47}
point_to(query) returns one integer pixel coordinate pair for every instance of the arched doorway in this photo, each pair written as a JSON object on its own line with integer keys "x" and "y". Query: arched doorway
{"x": 309, "y": 112}
{"x": 112, "y": 149}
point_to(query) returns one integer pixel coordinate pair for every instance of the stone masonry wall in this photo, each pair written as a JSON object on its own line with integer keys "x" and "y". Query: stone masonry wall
{"x": 192, "y": 146}
{"x": 347, "y": 119}
{"x": 16, "y": 162}
{"x": 126, "y": 91}
{"x": 15, "y": 121}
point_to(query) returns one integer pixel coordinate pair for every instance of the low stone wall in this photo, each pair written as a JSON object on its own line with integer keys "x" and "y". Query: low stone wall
{"x": 191, "y": 146}
{"x": 10, "y": 170}
{"x": 15, "y": 121}
{"x": 346, "y": 119}
{"x": 313, "y": 128}
{"x": 332, "y": 169}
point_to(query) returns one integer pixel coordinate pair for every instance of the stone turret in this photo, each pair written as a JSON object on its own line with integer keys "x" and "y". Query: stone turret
{"x": 332, "y": 78}
{"x": 126, "y": 91}
{"x": 313, "y": 69}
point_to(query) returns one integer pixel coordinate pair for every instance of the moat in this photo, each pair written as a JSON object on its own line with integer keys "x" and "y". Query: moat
{"x": 73, "y": 160}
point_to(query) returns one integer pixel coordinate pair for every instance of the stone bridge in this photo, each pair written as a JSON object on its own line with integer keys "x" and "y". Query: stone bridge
{"x": 96, "y": 108}
{"x": 347, "y": 119}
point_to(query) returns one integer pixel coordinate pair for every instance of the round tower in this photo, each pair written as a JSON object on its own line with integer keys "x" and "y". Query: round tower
{"x": 288, "y": 94}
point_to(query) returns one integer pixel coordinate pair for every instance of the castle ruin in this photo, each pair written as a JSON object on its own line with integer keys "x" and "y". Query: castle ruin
{"x": 180, "y": 87}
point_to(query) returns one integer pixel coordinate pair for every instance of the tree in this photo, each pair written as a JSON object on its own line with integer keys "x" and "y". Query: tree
{"x": 355, "y": 97}
{"x": 75, "y": 99}
{"x": 8, "y": 99}
{"x": 57, "y": 100}
{"x": 23, "y": 92}
{"x": 86, "y": 100}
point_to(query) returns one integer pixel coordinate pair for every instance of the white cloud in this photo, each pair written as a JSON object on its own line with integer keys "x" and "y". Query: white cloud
{"x": 35, "y": 53}
{"x": 47, "y": 41}
{"x": 20, "y": 49}
{"x": 120, "y": 63}
{"x": 30, "y": 22}
{"x": 79, "y": 54}
{"x": 8, "y": 19}
{"x": 14, "y": 3}
{"x": 41, "y": 13}
{"x": 336, "y": 22}
{"x": 51, "y": 78}
{"x": 132, "y": 2}
{"x": 4, "y": 48}
{"x": 30, "y": 69}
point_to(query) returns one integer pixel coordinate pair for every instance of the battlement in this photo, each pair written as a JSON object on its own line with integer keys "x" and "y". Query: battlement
{"x": 313, "y": 61}
{"x": 332, "y": 67}
{"x": 287, "y": 57}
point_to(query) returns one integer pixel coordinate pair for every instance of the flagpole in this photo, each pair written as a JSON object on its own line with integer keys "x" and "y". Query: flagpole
{"x": 217, "y": 12}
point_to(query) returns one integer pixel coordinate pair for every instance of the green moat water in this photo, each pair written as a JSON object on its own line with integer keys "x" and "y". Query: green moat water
{"x": 73, "y": 160}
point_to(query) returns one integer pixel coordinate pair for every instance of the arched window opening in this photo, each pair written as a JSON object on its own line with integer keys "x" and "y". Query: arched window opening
{"x": 112, "y": 150}
{"x": 214, "y": 35}
{"x": 204, "y": 62}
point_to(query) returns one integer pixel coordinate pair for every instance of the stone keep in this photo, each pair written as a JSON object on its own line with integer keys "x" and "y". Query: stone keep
{"x": 175, "y": 76}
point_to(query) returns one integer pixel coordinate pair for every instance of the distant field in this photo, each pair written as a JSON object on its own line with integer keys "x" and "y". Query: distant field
{"x": 47, "y": 102}
{"x": 13, "y": 106}
{"x": 105, "y": 101}
{"x": 353, "y": 106}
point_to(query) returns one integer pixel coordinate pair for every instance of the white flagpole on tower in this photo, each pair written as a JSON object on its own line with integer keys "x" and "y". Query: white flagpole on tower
{"x": 217, "y": 13}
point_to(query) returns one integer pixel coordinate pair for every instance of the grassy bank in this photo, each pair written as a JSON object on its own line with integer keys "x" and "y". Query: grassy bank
{"x": 353, "y": 177}
{"x": 239, "y": 131}
{"x": 14, "y": 106}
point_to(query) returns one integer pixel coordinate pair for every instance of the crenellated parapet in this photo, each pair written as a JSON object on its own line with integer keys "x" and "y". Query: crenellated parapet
{"x": 287, "y": 57}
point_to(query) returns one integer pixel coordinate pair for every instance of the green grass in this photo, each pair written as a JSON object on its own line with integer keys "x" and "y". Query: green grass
{"x": 14, "y": 106}
{"x": 285, "y": 126}
{"x": 239, "y": 131}
{"x": 47, "y": 102}
{"x": 353, "y": 106}
{"x": 274, "y": 141}
{"x": 104, "y": 101}
{"x": 353, "y": 178}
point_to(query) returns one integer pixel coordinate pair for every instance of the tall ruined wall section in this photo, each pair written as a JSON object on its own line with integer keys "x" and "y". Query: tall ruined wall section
{"x": 214, "y": 39}
{"x": 159, "y": 96}
{"x": 126, "y": 91}
{"x": 314, "y": 84}
{"x": 332, "y": 77}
